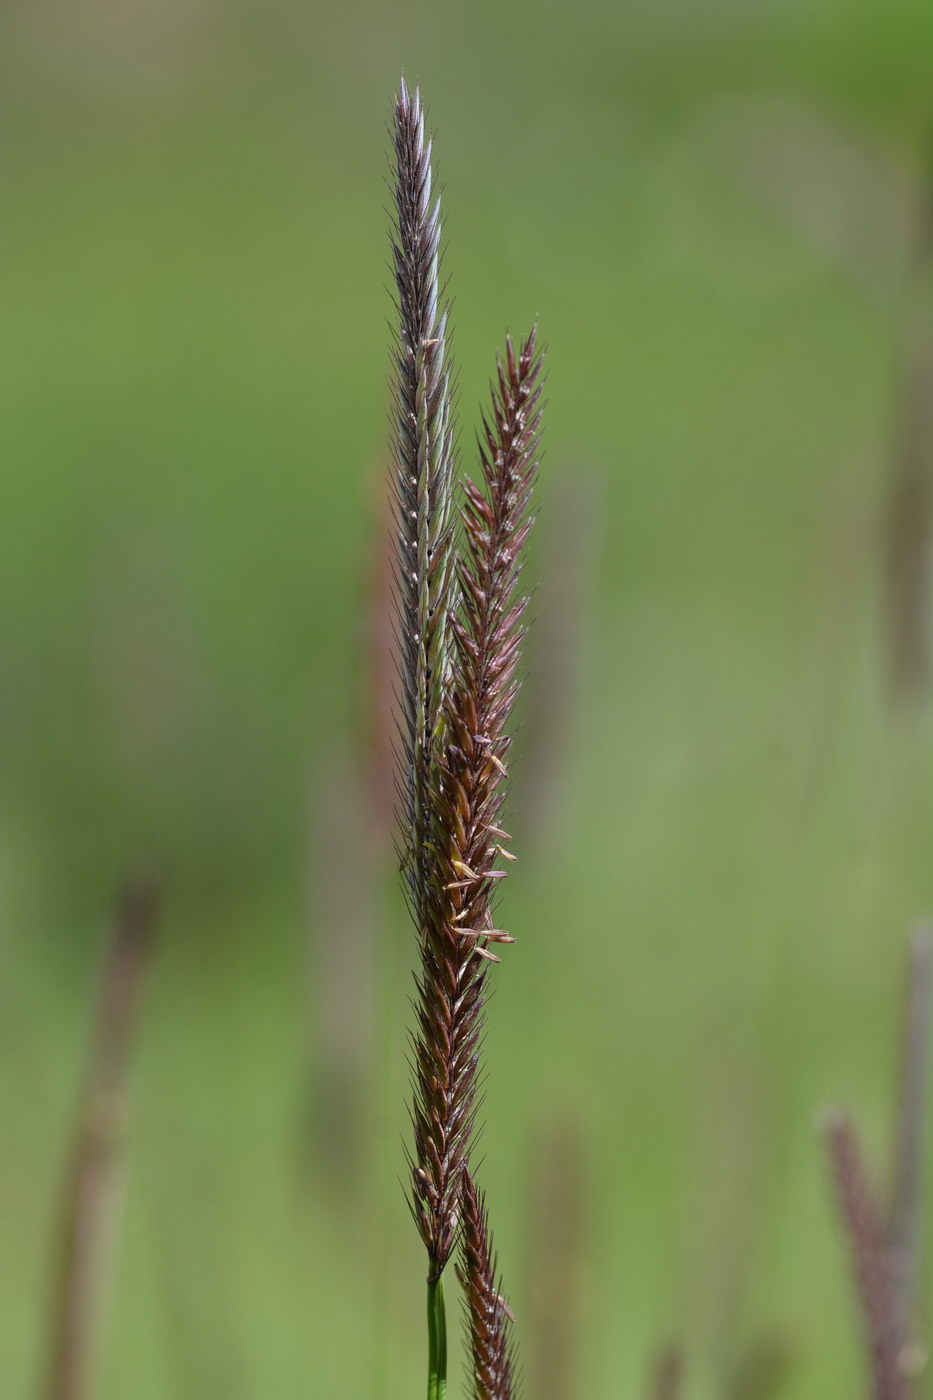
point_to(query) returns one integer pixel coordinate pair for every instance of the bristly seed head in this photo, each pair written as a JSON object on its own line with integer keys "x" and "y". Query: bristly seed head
{"x": 489, "y": 1318}
{"x": 423, "y": 477}
{"x": 468, "y": 793}
{"x": 460, "y": 634}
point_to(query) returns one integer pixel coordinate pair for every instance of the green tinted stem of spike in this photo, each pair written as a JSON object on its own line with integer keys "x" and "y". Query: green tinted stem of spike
{"x": 437, "y": 1341}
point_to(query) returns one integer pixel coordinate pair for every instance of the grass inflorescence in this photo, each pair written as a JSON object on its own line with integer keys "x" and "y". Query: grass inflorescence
{"x": 461, "y": 625}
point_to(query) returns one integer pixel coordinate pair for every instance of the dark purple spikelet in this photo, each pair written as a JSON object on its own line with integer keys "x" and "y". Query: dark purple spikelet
{"x": 422, "y": 480}
{"x": 866, "y": 1238}
{"x": 487, "y": 636}
{"x": 470, "y": 773}
{"x": 488, "y": 1319}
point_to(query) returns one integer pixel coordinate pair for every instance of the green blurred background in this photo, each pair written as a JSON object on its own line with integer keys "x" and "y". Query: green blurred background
{"x": 723, "y": 806}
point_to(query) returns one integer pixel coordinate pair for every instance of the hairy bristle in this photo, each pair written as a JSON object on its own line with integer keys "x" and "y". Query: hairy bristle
{"x": 867, "y": 1243}
{"x": 467, "y": 797}
{"x": 488, "y": 1321}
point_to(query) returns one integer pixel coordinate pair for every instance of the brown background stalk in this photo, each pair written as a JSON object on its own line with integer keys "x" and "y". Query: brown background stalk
{"x": 667, "y": 1377}
{"x": 93, "y": 1183}
{"x": 557, "y": 1231}
{"x": 905, "y": 1230}
{"x": 867, "y": 1241}
{"x": 909, "y": 542}
{"x": 763, "y": 1368}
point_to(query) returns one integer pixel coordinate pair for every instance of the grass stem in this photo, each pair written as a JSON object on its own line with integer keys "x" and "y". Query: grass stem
{"x": 94, "y": 1181}
{"x": 437, "y": 1340}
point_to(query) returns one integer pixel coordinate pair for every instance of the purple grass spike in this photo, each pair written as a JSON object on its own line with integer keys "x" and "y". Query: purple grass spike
{"x": 460, "y": 631}
{"x": 456, "y": 920}
{"x": 488, "y": 1318}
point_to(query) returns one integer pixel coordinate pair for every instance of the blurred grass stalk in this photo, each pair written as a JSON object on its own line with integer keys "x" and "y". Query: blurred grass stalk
{"x": 885, "y": 1248}
{"x": 667, "y": 1377}
{"x": 93, "y": 1186}
{"x": 863, "y": 1228}
{"x": 910, "y": 504}
{"x": 905, "y": 1227}
{"x": 557, "y": 1250}
{"x": 763, "y": 1368}
{"x": 570, "y": 554}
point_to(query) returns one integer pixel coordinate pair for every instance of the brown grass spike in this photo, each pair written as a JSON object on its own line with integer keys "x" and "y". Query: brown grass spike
{"x": 466, "y": 839}
{"x": 423, "y": 454}
{"x": 488, "y": 1321}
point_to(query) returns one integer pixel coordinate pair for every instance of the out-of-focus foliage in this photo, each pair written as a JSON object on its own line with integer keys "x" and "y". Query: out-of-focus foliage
{"x": 724, "y": 825}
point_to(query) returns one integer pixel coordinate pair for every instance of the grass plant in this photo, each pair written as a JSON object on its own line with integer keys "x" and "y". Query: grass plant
{"x": 460, "y": 630}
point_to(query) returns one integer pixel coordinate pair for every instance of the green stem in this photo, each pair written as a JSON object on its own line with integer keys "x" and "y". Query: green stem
{"x": 437, "y": 1341}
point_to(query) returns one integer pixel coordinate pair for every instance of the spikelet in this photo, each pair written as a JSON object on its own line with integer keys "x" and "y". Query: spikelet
{"x": 423, "y": 453}
{"x": 487, "y": 635}
{"x": 466, "y": 840}
{"x": 488, "y": 1319}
